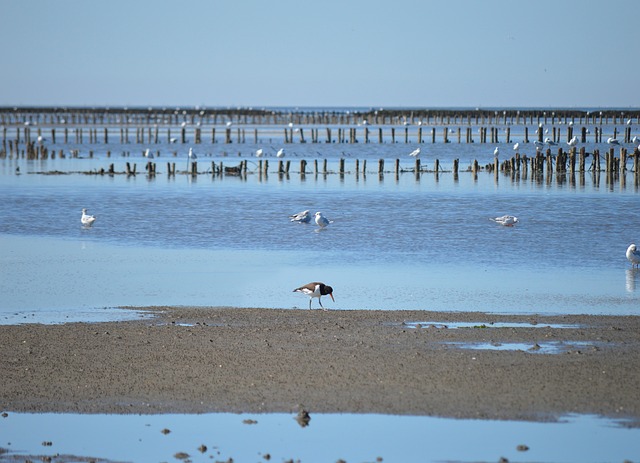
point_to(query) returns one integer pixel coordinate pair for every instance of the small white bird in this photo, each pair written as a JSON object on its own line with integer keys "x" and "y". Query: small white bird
{"x": 573, "y": 141}
{"x": 280, "y": 153}
{"x": 506, "y": 220}
{"x": 496, "y": 151}
{"x": 635, "y": 140}
{"x": 516, "y": 146}
{"x": 415, "y": 152}
{"x": 148, "y": 154}
{"x": 315, "y": 289}
{"x": 550, "y": 142}
{"x": 633, "y": 255}
{"x": 87, "y": 219}
{"x": 321, "y": 220}
{"x": 259, "y": 153}
{"x": 301, "y": 217}
{"x": 192, "y": 155}
{"x": 613, "y": 141}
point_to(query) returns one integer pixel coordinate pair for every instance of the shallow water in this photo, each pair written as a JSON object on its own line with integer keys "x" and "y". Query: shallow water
{"x": 328, "y": 437}
{"x": 396, "y": 243}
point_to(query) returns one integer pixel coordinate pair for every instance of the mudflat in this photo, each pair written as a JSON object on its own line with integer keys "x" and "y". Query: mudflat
{"x": 197, "y": 360}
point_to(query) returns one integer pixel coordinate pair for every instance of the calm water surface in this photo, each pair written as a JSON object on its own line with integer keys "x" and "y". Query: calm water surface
{"x": 397, "y": 242}
{"x": 327, "y": 438}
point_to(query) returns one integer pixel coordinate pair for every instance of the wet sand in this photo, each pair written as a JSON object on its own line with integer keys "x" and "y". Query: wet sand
{"x": 197, "y": 360}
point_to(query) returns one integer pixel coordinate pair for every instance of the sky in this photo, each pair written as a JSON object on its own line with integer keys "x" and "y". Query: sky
{"x": 300, "y": 53}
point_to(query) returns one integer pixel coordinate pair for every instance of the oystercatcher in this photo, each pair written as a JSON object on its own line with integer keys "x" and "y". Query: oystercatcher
{"x": 315, "y": 289}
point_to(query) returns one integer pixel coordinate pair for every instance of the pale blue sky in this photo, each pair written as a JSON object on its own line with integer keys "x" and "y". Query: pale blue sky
{"x": 254, "y": 53}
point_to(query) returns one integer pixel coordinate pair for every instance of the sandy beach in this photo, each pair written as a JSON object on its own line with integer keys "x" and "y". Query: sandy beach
{"x": 197, "y": 360}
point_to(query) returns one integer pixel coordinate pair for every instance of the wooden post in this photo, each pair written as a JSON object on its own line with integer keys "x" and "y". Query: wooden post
{"x": 381, "y": 166}
{"x": 341, "y": 168}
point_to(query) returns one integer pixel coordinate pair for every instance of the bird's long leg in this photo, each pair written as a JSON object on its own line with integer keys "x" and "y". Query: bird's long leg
{"x": 320, "y": 303}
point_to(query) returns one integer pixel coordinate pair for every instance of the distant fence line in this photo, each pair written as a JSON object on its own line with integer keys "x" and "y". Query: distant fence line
{"x": 33, "y": 137}
{"x": 542, "y": 165}
{"x": 274, "y": 116}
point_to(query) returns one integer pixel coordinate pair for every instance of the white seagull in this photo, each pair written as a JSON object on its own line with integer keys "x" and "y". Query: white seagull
{"x": 506, "y": 220}
{"x": 613, "y": 141}
{"x": 315, "y": 289}
{"x": 301, "y": 217}
{"x": 280, "y": 153}
{"x": 321, "y": 220}
{"x": 573, "y": 141}
{"x": 415, "y": 152}
{"x": 633, "y": 255}
{"x": 550, "y": 142}
{"x": 496, "y": 151}
{"x": 259, "y": 153}
{"x": 516, "y": 146}
{"x": 148, "y": 154}
{"x": 87, "y": 219}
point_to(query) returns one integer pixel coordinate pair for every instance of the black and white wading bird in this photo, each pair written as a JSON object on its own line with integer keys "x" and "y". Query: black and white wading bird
{"x": 316, "y": 289}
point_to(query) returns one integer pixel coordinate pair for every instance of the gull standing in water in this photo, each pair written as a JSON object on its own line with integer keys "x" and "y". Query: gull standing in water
{"x": 321, "y": 220}
{"x": 301, "y": 217}
{"x": 87, "y": 219}
{"x": 506, "y": 220}
{"x": 280, "y": 153}
{"x": 415, "y": 152}
{"x": 315, "y": 289}
{"x": 633, "y": 255}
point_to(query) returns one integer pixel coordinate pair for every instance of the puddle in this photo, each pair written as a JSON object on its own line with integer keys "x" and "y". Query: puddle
{"x": 480, "y": 325}
{"x": 57, "y": 317}
{"x": 326, "y": 437}
{"x": 538, "y": 348}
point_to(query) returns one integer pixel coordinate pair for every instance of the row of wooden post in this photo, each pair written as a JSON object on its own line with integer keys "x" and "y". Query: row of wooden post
{"x": 562, "y": 163}
{"x": 344, "y": 135}
{"x": 214, "y": 116}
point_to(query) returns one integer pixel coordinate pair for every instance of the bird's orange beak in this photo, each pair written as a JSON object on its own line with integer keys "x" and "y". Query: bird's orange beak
{"x": 331, "y": 294}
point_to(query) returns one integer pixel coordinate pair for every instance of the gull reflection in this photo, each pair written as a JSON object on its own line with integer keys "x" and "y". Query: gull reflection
{"x": 633, "y": 276}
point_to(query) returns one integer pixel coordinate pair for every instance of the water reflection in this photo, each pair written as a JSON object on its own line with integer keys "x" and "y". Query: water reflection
{"x": 632, "y": 279}
{"x": 325, "y": 438}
